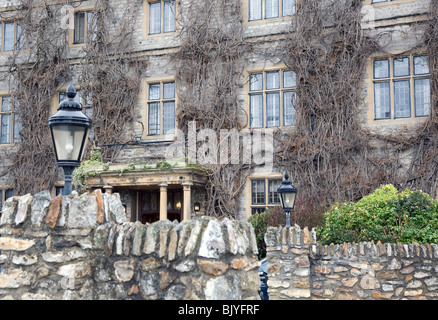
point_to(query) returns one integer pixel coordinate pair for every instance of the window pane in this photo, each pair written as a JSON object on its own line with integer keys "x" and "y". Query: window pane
{"x": 9, "y": 193}
{"x": 402, "y": 99}
{"x": 17, "y": 128}
{"x": 272, "y": 80}
{"x": 381, "y": 69}
{"x": 169, "y": 90}
{"x": 168, "y": 117}
{"x": 8, "y": 36}
{"x": 271, "y": 9}
{"x": 256, "y": 82}
{"x": 89, "y": 20}
{"x": 79, "y": 32}
{"x": 91, "y": 26}
{"x": 170, "y": 202}
{"x": 256, "y": 110}
{"x": 59, "y": 190}
{"x": 421, "y": 65}
{"x": 288, "y": 7}
{"x": 273, "y": 109}
{"x": 289, "y": 79}
{"x": 154, "y": 91}
{"x": 422, "y": 97}
{"x": 155, "y": 18}
{"x": 401, "y": 67}
{"x": 258, "y": 192}
{"x": 154, "y": 201}
{"x": 255, "y": 10}
{"x": 6, "y": 104}
{"x": 145, "y": 201}
{"x": 169, "y": 16}
{"x": 273, "y": 194}
{"x": 382, "y": 102}
{"x": 1, "y": 36}
{"x": 20, "y": 36}
{"x": 288, "y": 108}
{"x": 5, "y": 137}
{"x": 1, "y": 200}
{"x": 154, "y": 118}
{"x": 257, "y": 210}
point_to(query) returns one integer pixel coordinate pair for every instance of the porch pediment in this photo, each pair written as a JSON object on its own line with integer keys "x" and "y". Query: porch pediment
{"x": 139, "y": 175}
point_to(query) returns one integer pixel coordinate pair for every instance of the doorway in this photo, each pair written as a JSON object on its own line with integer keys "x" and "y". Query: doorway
{"x": 150, "y": 206}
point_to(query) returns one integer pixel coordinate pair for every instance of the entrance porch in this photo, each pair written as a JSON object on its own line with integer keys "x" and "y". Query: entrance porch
{"x": 153, "y": 194}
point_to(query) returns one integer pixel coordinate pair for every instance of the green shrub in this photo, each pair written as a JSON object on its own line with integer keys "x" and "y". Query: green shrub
{"x": 386, "y": 215}
{"x": 260, "y": 223}
{"x": 307, "y": 213}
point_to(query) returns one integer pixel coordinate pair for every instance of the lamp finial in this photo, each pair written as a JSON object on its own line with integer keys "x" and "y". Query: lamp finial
{"x": 71, "y": 91}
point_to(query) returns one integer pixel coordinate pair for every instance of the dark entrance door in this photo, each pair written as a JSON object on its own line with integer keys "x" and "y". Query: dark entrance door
{"x": 150, "y": 205}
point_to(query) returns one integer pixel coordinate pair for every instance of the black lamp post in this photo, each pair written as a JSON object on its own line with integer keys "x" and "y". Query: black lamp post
{"x": 69, "y": 129}
{"x": 287, "y": 194}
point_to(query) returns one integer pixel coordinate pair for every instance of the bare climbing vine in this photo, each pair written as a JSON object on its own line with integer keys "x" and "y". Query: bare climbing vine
{"x": 331, "y": 154}
{"x": 423, "y": 169}
{"x": 209, "y": 66}
{"x": 109, "y": 73}
{"x": 35, "y": 74}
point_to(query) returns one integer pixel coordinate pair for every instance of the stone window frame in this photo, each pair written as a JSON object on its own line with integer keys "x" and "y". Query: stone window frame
{"x": 4, "y": 196}
{"x": 391, "y": 79}
{"x": 261, "y": 207}
{"x": 281, "y": 16}
{"x": 14, "y": 122}
{"x": 146, "y": 22}
{"x": 264, "y": 92}
{"x": 72, "y": 32}
{"x": 17, "y": 37}
{"x": 146, "y": 110}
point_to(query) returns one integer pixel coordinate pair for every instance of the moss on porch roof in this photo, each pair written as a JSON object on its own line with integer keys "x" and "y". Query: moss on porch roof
{"x": 93, "y": 173}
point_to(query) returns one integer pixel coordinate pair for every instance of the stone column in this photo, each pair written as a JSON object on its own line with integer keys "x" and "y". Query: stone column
{"x": 187, "y": 196}
{"x": 108, "y": 189}
{"x": 163, "y": 201}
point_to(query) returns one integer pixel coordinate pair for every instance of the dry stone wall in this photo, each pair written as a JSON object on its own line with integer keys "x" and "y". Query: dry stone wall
{"x": 83, "y": 247}
{"x": 301, "y": 268}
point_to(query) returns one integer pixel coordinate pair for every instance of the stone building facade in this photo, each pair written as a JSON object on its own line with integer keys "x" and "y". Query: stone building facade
{"x": 154, "y": 186}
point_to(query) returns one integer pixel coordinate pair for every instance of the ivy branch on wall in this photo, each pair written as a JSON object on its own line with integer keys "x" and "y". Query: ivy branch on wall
{"x": 330, "y": 153}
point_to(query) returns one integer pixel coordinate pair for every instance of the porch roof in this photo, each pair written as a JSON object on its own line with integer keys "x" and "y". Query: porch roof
{"x": 142, "y": 176}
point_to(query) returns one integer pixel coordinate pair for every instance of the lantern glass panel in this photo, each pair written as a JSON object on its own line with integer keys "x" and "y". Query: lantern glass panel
{"x": 288, "y": 200}
{"x": 68, "y": 141}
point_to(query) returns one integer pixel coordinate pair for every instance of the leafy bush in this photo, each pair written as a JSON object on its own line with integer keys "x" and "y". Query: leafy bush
{"x": 386, "y": 215}
{"x": 260, "y": 223}
{"x": 306, "y": 214}
{"x": 308, "y": 211}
